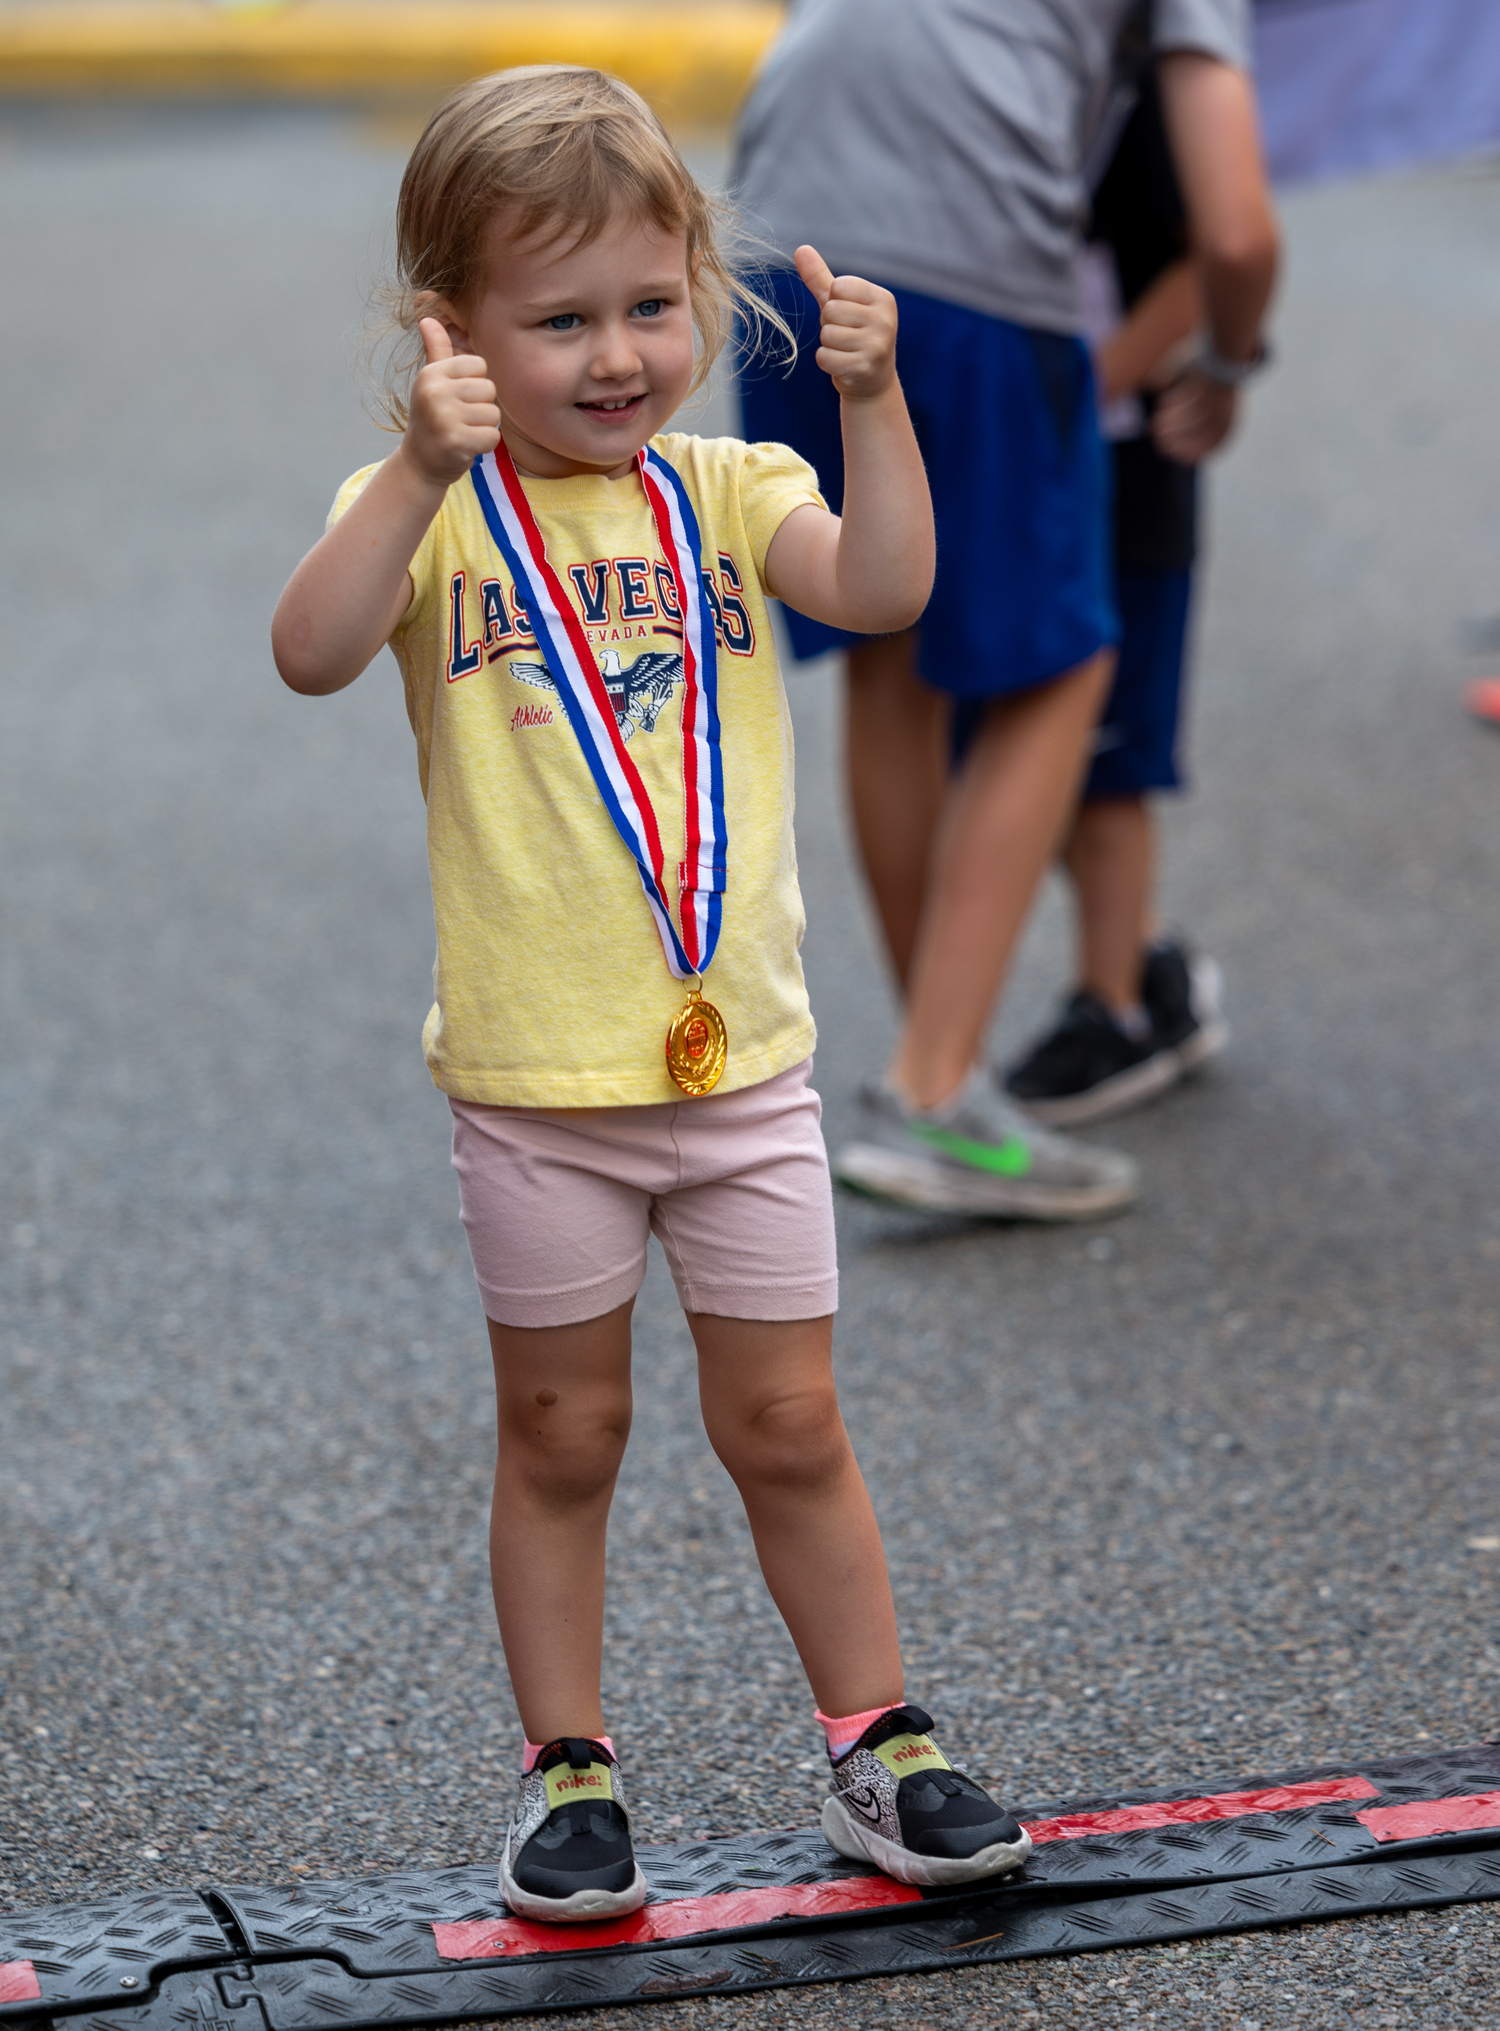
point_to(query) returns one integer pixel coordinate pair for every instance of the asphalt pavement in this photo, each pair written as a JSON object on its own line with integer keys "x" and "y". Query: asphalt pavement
{"x": 1204, "y": 1492}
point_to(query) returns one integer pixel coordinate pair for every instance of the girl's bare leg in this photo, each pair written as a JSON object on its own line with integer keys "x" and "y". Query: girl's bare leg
{"x": 896, "y": 744}
{"x": 1111, "y": 856}
{"x": 1002, "y": 825}
{"x": 772, "y": 1416}
{"x": 563, "y": 1406}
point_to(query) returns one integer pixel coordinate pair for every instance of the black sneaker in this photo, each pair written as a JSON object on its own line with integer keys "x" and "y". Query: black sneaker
{"x": 1088, "y": 1067}
{"x": 899, "y": 1803}
{"x": 568, "y": 1855}
{"x": 1180, "y": 989}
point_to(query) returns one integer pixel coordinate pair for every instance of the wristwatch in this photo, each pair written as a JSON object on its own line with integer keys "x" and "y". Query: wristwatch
{"x": 1230, "y": 373}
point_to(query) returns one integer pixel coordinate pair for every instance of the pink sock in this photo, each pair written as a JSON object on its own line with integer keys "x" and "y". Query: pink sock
{"x": 534, "y": 1749}
{"x": 842, "y": 1735}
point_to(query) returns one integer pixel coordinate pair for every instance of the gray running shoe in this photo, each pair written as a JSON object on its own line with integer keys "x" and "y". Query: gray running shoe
{"x": 568, "y": 1855}
{"x": 898, "y": 1802}
{"x": 980, "y": 1154}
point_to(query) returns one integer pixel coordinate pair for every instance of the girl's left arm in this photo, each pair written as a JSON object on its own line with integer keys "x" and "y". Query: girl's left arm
{"x": 870, "y": 569}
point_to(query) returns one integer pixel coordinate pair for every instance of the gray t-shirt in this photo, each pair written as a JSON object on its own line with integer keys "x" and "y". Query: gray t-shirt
{"x": 940, "y": 145}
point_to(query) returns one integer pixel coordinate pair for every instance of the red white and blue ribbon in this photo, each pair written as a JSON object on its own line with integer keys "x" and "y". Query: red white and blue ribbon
{"x": 564, "y": 643}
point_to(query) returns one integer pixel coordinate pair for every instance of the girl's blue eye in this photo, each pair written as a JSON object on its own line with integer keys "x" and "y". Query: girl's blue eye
{"x": 565, "y": 322}
{"x": 652, "y": 307}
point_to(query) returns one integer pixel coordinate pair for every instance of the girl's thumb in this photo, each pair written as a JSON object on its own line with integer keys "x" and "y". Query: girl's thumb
{"x": 815, "y": 272}
{"x": 435, "y": 341}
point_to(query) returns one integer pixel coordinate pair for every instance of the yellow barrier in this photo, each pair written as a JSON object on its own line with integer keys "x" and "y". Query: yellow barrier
{"x": 693, "y": 63}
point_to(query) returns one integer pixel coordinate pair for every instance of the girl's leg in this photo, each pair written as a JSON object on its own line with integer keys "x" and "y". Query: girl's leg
{"x": 896, "y": 742}
{"x": 771, "y": 1412}
{"x": 772, "y": 1416}
{"x": 1003, "y": 823}
{"x": 563, "y": 1406}
{"x": 1111, "y": 856}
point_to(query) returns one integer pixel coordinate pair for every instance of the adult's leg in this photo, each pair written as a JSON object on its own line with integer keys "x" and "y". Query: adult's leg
{"x": 563, "y": 1410}
{"x": 772, "y": 1416}
{"x": 896, "y": 744}
{"x": 1111, "y": 856}
{"x": 1002, "y": 824}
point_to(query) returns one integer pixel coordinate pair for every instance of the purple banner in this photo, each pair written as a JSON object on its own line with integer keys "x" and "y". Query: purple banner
{"x": 1350, "y": 85}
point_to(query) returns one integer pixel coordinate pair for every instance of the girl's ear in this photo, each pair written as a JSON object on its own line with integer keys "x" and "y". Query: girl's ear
{"x": 430, "y": 304}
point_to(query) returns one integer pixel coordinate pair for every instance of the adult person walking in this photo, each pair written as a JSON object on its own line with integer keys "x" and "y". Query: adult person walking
{"x": 940, "y": 146}
{"x": 1145, "y": 1009}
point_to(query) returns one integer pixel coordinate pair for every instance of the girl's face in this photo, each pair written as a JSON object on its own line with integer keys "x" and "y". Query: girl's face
{"x": 590, "y": 347}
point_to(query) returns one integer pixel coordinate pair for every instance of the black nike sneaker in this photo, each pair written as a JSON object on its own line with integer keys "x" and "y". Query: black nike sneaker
{"x": 568, "y": 1855}
{"x": 899, "y": 1803}
{"x": 1181, "y": 990}
{"x": 1088, "y": 1067}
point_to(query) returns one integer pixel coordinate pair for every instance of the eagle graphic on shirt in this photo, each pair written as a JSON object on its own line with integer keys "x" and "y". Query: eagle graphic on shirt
{"x": 638, "y": 694}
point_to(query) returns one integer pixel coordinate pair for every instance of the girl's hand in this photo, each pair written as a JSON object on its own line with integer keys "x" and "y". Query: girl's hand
{"x": 454, "y": 417}
{"x": 857, "y": 342}
{"x": 869, "y": 569}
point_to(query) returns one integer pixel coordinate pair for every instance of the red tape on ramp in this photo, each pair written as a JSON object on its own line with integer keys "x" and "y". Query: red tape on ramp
{"x": 1478, "y": 1813}
{"x": 1124, "y": 1819}
{"x": 489, "y": 1939}
{"x": 18, "y": 1982}
{"x": 680, "y": 1918}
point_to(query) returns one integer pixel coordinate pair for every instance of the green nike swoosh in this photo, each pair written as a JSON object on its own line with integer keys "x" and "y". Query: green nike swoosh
{"x": 1010, "y": 1159}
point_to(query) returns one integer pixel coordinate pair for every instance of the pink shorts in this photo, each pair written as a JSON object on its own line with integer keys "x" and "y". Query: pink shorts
{"x": 559, "y": 1202}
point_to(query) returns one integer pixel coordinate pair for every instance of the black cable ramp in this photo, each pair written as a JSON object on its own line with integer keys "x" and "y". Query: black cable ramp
{"x": 762, "y": 1910}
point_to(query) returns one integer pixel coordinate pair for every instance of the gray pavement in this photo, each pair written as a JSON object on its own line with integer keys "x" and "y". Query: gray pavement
{"x": 1185, "y": 1498}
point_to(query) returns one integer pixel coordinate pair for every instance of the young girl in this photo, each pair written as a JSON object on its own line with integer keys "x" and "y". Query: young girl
{"x": 578, "y": 606}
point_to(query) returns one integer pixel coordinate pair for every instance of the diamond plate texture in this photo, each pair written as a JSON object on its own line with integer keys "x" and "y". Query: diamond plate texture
{"x": 322, "y": 1995}
{"x": 361, "y": 1951}
{"x": 87, "y": 1953}
{"x": 383, "y": 1925}
{"x": 1444, "y": 1773}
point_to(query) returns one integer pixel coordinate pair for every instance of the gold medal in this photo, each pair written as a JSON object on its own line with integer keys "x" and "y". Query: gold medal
{"x": 697, "y": 1046}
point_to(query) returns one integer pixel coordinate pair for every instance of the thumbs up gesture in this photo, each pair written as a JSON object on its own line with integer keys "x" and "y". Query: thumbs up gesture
{"x": 857, "y": 342}
{"x": 454, "y": 417}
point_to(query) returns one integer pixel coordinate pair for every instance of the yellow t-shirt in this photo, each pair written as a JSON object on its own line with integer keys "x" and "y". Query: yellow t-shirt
{"x": 551, "y": 986}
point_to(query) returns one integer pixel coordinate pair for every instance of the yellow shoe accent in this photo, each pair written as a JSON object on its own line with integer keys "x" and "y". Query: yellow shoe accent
{"x": 567, "y": 1786}
{"x": 904, "y": 1755}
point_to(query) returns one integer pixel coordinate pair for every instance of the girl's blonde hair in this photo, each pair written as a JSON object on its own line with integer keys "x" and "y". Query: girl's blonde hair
{"x": 555, "y": 147}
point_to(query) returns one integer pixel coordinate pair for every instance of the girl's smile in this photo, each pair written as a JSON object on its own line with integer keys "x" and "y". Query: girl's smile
{"x": 590, "y": 346}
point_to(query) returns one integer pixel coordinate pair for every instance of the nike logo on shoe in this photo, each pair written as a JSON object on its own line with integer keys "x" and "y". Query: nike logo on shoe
{"x": 1008, "y": 1159}
{"x": 866, "y": 1804}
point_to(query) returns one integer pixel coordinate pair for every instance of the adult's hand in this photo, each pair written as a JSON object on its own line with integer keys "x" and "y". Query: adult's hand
{"x": 1193, "y": 417}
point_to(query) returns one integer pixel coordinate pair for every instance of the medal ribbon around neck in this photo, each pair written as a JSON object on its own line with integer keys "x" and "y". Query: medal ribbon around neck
{"x": 564, "y": 644}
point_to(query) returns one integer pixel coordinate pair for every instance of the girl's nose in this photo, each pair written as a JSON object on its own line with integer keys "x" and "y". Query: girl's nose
{"x": 616, "y": 356}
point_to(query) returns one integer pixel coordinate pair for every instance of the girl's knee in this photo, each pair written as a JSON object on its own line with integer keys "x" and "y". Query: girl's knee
{"x": 568, "y": 1452}
{"x": 793, "y": 1440}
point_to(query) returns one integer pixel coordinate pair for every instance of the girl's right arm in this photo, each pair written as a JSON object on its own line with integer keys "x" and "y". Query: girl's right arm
{"x": 345, "y": 598}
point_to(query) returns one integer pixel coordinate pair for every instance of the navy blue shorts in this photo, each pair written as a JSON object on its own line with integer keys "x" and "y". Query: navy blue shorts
{"x": 1135, "y": 745}
{"x": 1005, "y": 417}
